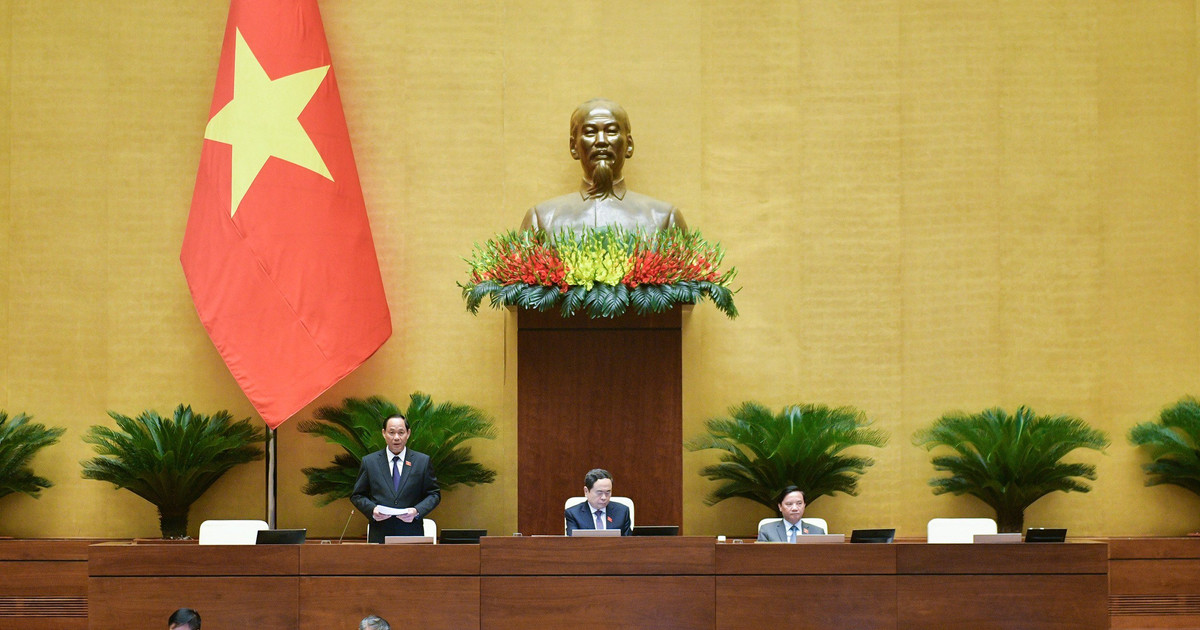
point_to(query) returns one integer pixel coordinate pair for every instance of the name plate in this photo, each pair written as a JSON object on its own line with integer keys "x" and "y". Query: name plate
{"x": 998, "y": 538}
{"x": 408, "y": 540}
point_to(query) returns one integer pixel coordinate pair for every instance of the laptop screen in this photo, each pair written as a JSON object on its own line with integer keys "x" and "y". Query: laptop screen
{"x": 872, "y": 535}
{"x": 281, "y": 536}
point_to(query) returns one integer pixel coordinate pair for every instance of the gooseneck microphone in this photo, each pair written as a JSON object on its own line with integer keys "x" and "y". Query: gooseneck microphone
{"x": 347, "y": 526}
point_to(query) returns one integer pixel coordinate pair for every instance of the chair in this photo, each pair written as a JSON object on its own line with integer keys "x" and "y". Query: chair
{"x": 428, "y": 529}
{"x": 958, "y": 530}
{"x": 230, "y": 532}
{"x": 819, "y": 522}
{"x": 573, "y": 501}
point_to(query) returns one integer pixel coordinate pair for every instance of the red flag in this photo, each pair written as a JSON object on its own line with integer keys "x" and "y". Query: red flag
{"x": 278, "y": 252}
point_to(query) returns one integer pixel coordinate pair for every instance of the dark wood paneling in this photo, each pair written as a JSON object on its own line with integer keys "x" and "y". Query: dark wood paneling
{"x": 125, "y": 560}
{"x": 1154, "y": 577}
{"x": 144, "y": 603}
{"x": 812, "y": 559}
{"x": 862, "y": 602}
{"x": 408, "y": 560}
{"x": 427, "y": 602}
{"x": 1002, "y": 602}
{"x": 941, "y": 559}
{"x": 1122, "y": 548}
{"x": 599, "y": 394}
{"x": 49, "y": 549}
{"x": 609, "y": 602}
{"x": 522, "y": 555}
{"x": 43, "y": 584}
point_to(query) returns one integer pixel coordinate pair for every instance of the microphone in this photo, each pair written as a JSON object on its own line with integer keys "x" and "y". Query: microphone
{"x": 346, "y": 527}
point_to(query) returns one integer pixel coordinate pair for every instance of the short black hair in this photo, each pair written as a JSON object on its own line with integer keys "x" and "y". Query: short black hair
{"x": 594, "y": 475}
{"x": 788, "y": 490}
{"x": 185, "y": 617}
{"x": 396, "y": 415}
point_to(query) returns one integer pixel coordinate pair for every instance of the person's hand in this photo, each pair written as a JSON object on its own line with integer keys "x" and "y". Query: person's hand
{"x": 409, "y": 515}
{"x": 378, "y": 515}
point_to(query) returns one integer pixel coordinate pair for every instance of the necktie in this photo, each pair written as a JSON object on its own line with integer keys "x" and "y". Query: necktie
{"x": 792, "y": 534}
{"x": 599, "y": 519}
{"x": 395, "y": 473}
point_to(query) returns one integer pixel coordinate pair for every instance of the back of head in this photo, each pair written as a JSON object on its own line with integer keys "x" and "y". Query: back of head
{"x": 184, "y": 619}
{"x": 373, "y": 622}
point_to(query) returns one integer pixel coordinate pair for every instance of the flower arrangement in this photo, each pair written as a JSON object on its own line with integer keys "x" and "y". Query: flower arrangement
{"x": 601, "y": 271}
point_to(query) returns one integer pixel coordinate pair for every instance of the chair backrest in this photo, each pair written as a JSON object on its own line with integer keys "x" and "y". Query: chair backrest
{"x": 573, "y": 501}
{"x": 230, "y": 532}
{"x": 958, "y": 530}
{"x": 819, "y": 522}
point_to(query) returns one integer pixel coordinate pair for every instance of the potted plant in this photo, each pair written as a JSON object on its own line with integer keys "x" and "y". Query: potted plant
{"x": 171, "y": 462}
{"x": 20, "y": 440}
{"x": 804, "y": 445}
{"x": 438, "y": 431}
{"x": 1009, "y": 462}
{"x": 1173, "y": 444}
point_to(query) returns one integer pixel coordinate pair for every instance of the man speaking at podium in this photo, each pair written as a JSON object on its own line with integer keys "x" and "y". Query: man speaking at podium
{"x": 396, "y": 487}
{"x": 598, "y": 512}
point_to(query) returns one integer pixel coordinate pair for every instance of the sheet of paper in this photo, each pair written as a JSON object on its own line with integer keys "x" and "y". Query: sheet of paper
{"x": 391, "y": 511}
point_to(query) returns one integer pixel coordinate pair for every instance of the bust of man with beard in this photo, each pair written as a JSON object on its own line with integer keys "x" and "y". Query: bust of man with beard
{"x": 601, "y": 141}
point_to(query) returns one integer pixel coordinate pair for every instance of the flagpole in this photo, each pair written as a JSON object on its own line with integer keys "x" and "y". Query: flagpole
{"x": 272, "y": 476}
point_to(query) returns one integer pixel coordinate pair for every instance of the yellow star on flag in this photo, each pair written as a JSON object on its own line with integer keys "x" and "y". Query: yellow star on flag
{"x": 262, "y": 120}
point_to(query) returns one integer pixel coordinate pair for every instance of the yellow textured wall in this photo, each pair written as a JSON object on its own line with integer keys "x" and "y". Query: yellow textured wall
{"x": 934, "y": 206}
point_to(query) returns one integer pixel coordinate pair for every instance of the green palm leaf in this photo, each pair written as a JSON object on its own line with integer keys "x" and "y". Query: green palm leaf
{"x": 1009, "y": 462}
{"x": 171, "y": 462}
{"x": 20, "y": 440}
{"x": 1173, "y": 444}
{"x": 803, "y": 445}
{"x": 439, "y": 431}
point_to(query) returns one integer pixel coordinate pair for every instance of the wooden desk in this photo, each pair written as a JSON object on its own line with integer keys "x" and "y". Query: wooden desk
{"x": 1154, "y": 582}
{"x": 137, "y": 586}
{"x": 816, "y": 586}
{"x": 431, "y": 586}
{"x": 1030, "y": 586}
{"x": 43, "y": 583}
{"x": 535, "y": 582}
{"x": 532, "y": 582}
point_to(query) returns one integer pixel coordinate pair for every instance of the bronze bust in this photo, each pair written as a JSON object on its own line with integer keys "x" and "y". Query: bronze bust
{"x": 601, "y": 141}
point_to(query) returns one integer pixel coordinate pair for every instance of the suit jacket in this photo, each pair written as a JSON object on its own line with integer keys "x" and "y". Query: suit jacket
{"x": 418, "y": 489}
{"x": 777, "y": 531}
{"x": 580, "y": 517}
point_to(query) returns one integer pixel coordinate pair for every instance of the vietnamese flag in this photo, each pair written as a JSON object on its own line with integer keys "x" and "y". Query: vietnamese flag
{"x": 278, "y": 252}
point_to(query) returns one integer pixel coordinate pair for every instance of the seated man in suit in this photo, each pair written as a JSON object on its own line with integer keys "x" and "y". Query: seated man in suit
{"x": 597, "y": 512}
{"x": 396, "y": 488}
{"x": 791, "y": 508}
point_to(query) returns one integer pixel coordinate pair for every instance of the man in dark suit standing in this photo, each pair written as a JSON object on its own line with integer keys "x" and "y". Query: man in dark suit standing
{"x": 396, "y": 487}
{"x": 597, "y": 512}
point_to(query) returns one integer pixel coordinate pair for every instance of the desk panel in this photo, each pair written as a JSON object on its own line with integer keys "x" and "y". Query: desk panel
{"x": 403, "y": 560}
{"x": 862, "y": 602}
{"x": 144, "y": 603}
{"x": 614, "y": 602}
{"x": 810, "y": 559}
{"x": 43, "y": 583}
{"x": 1002, "y": 602}
{"x": 426, "y": 602}
{"x": 559, "y": 555}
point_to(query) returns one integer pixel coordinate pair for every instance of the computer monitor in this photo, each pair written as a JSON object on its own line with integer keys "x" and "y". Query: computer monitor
{"x": 462, "y": 536}
{"x": 281, "y": 536}
{"x": 872, "y": 535}
{"x": 1044, "y": 534}
{"x": 656, "y": 530}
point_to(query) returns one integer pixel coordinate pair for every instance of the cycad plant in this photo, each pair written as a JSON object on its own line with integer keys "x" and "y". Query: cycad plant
{"x": 438, "y": 431}
{"x": 170, "y": 462}
{"x": 804, "y": 445}
{"x": 1009, "y": 462}
{"x": 20, "y": 440}
{"x": 1174, "y": 445}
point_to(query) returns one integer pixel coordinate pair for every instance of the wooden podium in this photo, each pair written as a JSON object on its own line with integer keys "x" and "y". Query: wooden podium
{"x": 599, "y": 393}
